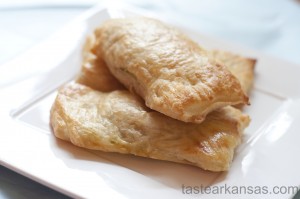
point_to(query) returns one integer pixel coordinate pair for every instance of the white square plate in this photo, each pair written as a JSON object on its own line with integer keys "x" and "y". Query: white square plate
{"x": 268, "y": 156}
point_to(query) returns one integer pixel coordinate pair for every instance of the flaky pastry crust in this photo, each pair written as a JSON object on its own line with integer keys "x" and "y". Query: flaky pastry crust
{"x": 173, "y": 74}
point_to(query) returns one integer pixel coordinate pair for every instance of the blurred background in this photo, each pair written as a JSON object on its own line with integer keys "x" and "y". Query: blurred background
{"x": 269, "y": 26}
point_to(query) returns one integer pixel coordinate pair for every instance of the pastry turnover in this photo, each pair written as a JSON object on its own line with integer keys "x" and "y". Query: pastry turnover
{"x": 173, "y": 74}
{"x": 118, "y": 121}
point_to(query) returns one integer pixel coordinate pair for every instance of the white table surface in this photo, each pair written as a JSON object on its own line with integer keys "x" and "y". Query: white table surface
{"x": 270, "y": 26}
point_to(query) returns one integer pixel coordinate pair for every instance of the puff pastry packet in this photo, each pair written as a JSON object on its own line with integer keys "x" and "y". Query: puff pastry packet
{"x": 118, "y": 121}
{"x": 173, "y": 74}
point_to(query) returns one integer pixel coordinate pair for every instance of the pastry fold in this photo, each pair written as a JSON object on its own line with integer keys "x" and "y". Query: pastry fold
{"x": 173, "y": 74}
{"x": 118, "y": 121}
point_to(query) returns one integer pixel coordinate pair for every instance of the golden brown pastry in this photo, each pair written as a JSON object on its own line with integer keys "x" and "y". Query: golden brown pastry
{"x": 242, "y": 68}
{"x": 168, "y": 70}
{"x": 94, "y": 72}
{"x": 118, "y": 121}
{"x": 83, "y": 130}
